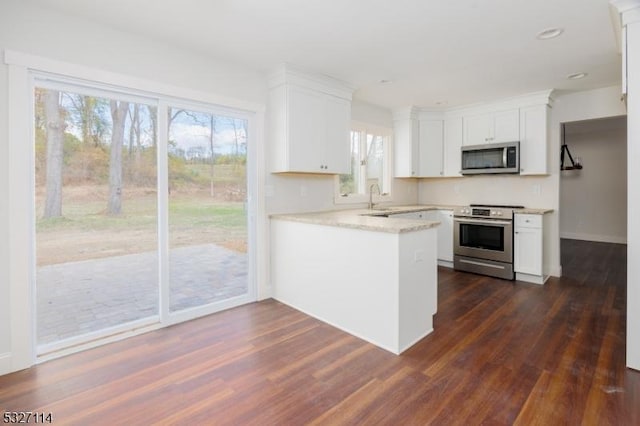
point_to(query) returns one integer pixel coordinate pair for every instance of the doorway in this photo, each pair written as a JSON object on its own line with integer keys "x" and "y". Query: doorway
{"x": 593, "y": 200}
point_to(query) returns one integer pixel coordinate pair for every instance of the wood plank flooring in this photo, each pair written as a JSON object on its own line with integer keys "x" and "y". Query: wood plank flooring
{"x": 502, "y": 353}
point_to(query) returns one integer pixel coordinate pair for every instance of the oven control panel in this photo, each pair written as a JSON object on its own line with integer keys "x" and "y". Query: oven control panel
{"x": 497, "y": 212}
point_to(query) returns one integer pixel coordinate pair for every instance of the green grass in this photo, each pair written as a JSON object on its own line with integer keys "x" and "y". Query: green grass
{"x": 184, "y": 212}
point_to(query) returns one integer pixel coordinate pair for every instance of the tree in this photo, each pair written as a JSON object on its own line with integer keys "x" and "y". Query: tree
{"x": 55, "y": 126}
{"x": 88, "y": 114}
{"x": 212, "y": 127}
{"x": 119, "y": 111}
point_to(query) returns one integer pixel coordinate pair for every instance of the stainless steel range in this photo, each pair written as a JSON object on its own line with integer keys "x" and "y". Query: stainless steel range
{"x": 483, "y": 240}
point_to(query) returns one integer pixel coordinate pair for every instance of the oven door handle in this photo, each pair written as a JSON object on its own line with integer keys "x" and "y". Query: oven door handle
{"x": 483, "y": 222}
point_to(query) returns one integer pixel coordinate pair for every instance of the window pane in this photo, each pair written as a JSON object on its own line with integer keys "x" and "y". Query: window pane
{"x": 207, "y": 208}
{"x": 350, "y": 183}
{"x": 375, "y": 160}
{"x": 96, "y": 228}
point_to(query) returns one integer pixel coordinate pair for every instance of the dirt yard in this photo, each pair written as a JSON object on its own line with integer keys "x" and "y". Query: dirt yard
{"x": 87, "y": 232}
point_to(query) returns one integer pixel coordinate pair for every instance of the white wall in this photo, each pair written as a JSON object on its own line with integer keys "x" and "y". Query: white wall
{"x": 4, "y": 222}
{"x": 593, "y": 201}
{"x": 630, "y": 11}
{"x": 530, "y": 191}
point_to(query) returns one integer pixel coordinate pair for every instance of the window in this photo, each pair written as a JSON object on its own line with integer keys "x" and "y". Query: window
{"x": 369, "y": 165}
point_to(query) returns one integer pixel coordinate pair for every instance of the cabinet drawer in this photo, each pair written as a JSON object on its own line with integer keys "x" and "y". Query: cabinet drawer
{"x": 528, "y": 221}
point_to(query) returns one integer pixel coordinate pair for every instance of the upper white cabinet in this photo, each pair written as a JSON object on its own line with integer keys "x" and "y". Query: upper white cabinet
{"x": 534, "y": 129}
{"x": 431, "y": 149}
{"x": 452, "y": 144}
{"x": 427, "y": 145}
{"x": 406, "y": 142}
{"x": 493, "y": 127}
{"x": 309, "y": 123}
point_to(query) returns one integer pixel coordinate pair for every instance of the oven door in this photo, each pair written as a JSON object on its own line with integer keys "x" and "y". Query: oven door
{"x": 484, "y": 239}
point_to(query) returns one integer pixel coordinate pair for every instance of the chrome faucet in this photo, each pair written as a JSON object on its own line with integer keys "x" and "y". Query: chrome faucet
{"x": 373, "y": 185}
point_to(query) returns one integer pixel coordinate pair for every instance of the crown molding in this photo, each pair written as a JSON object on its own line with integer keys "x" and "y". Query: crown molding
{"x": 290, "y": 74}
{"x": 629, "y": 10}
{"x": 407, "y": 113}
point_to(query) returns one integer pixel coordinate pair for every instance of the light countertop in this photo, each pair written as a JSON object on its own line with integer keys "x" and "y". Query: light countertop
{"x": 375, "y": 219}
{"x": 365, "y": 219}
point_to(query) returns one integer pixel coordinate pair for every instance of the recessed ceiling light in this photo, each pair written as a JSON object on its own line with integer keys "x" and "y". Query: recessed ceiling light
{"x": 577, "y": 76}
{"x": 549, "y": 33}
{"x": 439, "y": 103}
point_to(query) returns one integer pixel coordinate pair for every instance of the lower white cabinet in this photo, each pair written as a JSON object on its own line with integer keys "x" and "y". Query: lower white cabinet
{"x": 445, "y": 231}
{"x": 528, "y": 248}
{"x": 445, "y": 236}
{"x": 411, "y": 215}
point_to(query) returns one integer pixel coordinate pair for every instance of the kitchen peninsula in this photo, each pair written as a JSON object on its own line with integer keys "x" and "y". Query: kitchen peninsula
{"x": 372, "y": 276}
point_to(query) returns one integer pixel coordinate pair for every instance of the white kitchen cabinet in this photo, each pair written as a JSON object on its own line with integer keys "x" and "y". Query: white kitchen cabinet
{"x": 308, "y": 128}
{"x": 452, "y": 145}
{"x": 406, "y": 142}
{"x": 428, "y": 147}
{"x": 431, "y": 148}
{"x": 494, "y": 127}
{"x": 533, "y": 140}
{"x": 445, "y": 236}
{"x": 527, "y": 248}
{"x": 445, "y": 231}
{"x": 410, "y": 215}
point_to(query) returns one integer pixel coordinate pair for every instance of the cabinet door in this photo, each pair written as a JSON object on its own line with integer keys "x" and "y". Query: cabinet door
{"x": 307, "y": 130}
{"x": 527, "y": 256}
{"x": 337, "y": 155}
{"x": 451, "y": 146}
{"x": 430, "y": 149}
{"x": 409, "y": 215}
{"x": 405, "y": 143}
{"x": 445, "y": 235}
{"x": 477, "y": 129}
{"x": 506, "y": 126}
{"x": 533, "y": 140}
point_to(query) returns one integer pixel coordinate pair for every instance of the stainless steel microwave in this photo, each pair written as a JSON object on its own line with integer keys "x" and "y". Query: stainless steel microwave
{"x": 491, "y": 158}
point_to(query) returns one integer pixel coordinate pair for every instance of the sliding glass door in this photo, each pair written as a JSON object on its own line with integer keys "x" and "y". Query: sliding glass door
{"x": 207, "y": 186}
{"x": 96, "y": 210}
{"x": 141, "y": 212}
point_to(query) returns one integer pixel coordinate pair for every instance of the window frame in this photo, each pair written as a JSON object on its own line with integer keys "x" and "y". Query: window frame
{"x": 23, "y": 72}
{"x": 386, "y": 189}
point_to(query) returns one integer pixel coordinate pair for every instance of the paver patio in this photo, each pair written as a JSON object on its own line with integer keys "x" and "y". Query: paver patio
{"x": 81, "y": 297}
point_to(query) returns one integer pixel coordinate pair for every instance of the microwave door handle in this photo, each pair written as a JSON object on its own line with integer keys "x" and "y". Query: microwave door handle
{"x": 504, "y": 157}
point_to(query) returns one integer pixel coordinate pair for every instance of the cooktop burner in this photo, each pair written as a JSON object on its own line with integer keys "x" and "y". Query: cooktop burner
{"x": 496, "y": 206}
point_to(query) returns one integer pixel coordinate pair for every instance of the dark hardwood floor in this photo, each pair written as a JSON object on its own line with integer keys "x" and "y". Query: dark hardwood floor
{"x": 502, "y": 353}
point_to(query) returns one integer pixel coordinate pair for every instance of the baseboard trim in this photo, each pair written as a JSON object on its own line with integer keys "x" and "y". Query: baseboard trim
{"x": 5, "y": 363}
{"x": 445, "y": 263}
{"x": 593, "y": 237}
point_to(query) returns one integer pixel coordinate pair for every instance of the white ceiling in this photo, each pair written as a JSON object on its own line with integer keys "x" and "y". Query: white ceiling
{"x": 435, "y": 52}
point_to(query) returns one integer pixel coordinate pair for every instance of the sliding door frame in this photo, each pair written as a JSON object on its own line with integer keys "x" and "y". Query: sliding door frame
{"x": 23, "y": 69}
